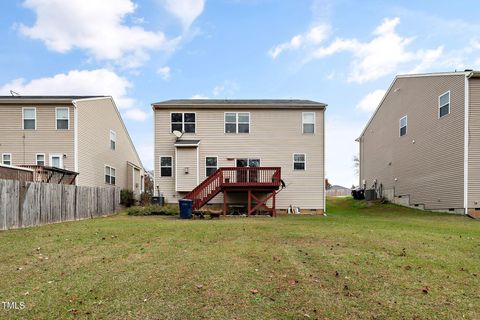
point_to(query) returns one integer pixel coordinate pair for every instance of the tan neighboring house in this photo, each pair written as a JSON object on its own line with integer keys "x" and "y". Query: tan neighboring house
{"x": 251, "y": 143}
{"x": 421, "y": 148}
{"x": 83, "y": 134}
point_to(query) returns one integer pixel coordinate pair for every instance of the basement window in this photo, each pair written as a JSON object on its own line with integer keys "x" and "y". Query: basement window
{"x": 109, "y": 175}
{"x": 444, "y": 104}
{"x": 403, "y": 126}
{"x": 166, "y": 165}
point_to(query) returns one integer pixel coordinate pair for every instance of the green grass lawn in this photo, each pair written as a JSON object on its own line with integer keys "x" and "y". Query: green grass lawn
{"x": 359, "y": 262}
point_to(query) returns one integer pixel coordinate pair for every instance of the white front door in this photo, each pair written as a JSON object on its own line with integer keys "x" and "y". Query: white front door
{"x": 56, "y": 160}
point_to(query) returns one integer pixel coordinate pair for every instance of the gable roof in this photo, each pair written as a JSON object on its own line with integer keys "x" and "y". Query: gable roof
{"x": 466, "y": 73}
{"x": 235, "y": 103}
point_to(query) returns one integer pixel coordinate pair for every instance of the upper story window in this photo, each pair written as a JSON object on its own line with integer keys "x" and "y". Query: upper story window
{"x": 308, "y": 122}
{"x": 29, "y": 118}
{"x": 62, "y": 118}
{"x": 444, "y": 104}
{"x": 299, "y": 161}
{"x": 403, "y": 126}
{"x": 7, "y": 159}
{"x": 109, "y": 175}
{"x": 166, "y": 165}
{"x": 113, "y": 140}
{"x": 183, "y": 122}
{"x": 40, "y": 159}
{"x": 211, "y": 165}
{"x": 237, "y": 122}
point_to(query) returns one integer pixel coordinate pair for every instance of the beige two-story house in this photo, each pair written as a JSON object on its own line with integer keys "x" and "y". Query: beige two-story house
{"x": 246, "y": 143}
{"x": 83, "y": 134}
{"x": 421, "y": 148}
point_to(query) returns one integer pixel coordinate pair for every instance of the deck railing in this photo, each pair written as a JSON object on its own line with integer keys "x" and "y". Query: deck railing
{"x": 52, "y": 174}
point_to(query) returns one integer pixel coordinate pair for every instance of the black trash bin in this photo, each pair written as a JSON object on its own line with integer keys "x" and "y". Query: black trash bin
{"x": 158, "y": 200}
{"x": 186, "y": 208}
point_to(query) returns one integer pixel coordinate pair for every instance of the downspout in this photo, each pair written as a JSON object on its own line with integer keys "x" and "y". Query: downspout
{"x": 75, "y": 135}
{"x": 324, "y": 189}
{"x": 466, "y": 144}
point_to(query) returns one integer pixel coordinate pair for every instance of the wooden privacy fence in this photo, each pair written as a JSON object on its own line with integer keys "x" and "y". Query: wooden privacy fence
{"x": 26, "y": 204}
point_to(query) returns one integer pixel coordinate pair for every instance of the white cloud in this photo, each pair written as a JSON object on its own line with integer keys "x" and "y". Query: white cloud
{"x": 314, "y": 36}
{"x": 135, "y": 114}
{"x": 164, "y": 72}
{"x": 185, "y": 10}
{"x": 199, "y": 96}
{"x": 95, "y": 26}
{"x": 383, "y": 55}
{"x": 371, "y": 101}
{"x": 226, "y": 88}
{"x": 81, "y": 82}
{"x": 427, "y": 59}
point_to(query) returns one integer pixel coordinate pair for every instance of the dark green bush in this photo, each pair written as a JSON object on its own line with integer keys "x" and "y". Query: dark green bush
{"x": 126, "y": 198}
{"x": 152, "y": 210}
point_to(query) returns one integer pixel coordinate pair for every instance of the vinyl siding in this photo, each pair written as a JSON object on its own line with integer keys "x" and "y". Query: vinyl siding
{"x": 474, "y": 144}
{"x": 275, "y": 135}
{"x": 96, "y": 117}
{"x": 45, "y": 139}
{"x": 428, "y": 161}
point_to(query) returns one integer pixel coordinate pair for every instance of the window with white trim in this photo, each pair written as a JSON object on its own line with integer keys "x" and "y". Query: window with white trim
{"x": 29, "y": 118}
{"x": 308, "y": 122}
{"x": 444, "y": 104}
{"x": 237, "y": 122}
{"x": 40, "y": 159}
{"x": 109, "y": 175}
{"x": 403, "y": 126}
{"x": 113, "y": 140}
{"x": 299, "y": 161}
{"x": 7, "y": 159}
{"x": 183, "y": 122}
{"x": 211, "y": 165}
{"x": 62, "y": 118}
{"x": 166, "y": 166}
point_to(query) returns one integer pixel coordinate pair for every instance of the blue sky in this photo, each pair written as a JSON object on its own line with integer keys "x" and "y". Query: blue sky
{"x": 344, "y": 53}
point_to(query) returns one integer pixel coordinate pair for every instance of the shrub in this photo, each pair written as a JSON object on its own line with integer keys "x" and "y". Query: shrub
{"x": 152, "y": 210}
{"x": 126, "y": 198}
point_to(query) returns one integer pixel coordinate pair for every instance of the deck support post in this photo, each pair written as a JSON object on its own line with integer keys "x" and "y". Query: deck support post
{"x": 224, "y": 202}
{"x": 274, "y": 211}
{"x": 249, "y": 200}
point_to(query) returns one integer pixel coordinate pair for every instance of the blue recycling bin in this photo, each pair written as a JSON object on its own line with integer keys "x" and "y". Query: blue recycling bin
{"x": 186, "y": 208}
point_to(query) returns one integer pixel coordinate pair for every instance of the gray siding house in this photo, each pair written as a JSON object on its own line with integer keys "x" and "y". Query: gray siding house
{"x": 421, "y": 147}
{"x": 83, "y": 134}
{"x": 286, "y": 134}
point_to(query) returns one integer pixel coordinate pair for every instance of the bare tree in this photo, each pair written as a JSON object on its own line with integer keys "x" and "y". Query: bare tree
{"x": 356, "y": 165}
